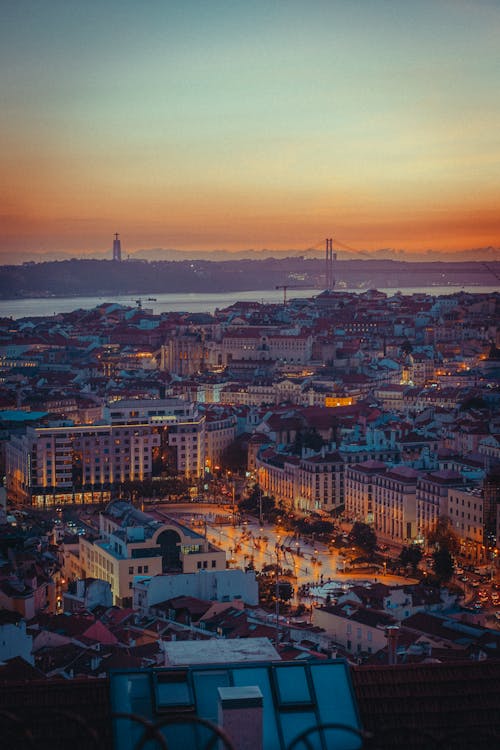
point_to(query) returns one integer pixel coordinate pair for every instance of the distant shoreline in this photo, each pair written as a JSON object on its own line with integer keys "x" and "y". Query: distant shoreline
{"x": 110, "y": 294}
{"x": 293, "y": 292}
{"x": 193, "y": 302}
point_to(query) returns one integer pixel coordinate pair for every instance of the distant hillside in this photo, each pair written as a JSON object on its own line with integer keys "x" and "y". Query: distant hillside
{"x": 161, "y": 253}
{"x": 105, "y": 277}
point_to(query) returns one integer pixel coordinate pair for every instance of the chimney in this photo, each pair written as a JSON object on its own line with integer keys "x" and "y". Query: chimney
{"x": 240, "y": 716}
{"x": 392, "y": 633}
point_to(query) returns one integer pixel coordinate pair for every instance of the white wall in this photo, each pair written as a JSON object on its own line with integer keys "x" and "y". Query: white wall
{"x": 220, "y": 585}
{"x": 15, "y": 642}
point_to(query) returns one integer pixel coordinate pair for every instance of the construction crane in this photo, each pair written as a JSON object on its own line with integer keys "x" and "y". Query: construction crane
{"x": 289, "y": 286}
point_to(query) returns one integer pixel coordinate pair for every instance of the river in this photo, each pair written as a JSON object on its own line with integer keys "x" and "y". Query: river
{"x": 195, "y": 302}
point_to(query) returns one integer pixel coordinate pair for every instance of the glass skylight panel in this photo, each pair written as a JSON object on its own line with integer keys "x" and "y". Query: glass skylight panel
{"x": 172, "y": 689}
{"x": 295, "y": 722}
{"x": 260, "y": 676}
{"x": 130, "y": 693}
{"x": 292, "y": 686}
{"x": 335, "y": 702}
{"x": 205, "y": 685}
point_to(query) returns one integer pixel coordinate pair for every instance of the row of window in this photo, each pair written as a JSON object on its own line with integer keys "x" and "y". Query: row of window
{"x": 141, "y": 569}
{"x": 203, "y": 564}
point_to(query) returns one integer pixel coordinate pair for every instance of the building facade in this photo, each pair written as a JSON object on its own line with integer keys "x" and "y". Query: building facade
{"x": 132, "y": 543}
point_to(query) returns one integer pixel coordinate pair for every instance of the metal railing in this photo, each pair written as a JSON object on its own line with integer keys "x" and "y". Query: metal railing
{"x": 41, "y": 729}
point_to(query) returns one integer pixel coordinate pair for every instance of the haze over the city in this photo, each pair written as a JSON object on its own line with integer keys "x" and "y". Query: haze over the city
{"x": 234, "y": 125}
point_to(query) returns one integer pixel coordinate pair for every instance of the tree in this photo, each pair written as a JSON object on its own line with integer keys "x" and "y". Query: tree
{"x": 443, "y": 564}
{"x": 443, "y": 536}
{"x": 362, "y": 535}
{"x": 411, "y": 556}
{"x": 234, "y": 457}
{"x": 309, "y": 438}
{"x": 474, "y": 402}
{"x": 285, "y": 591}
{"x": 252, "y": 502}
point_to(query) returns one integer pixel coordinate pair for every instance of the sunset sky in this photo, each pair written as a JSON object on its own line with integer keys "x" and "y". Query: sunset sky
{"x": 203, "y": 124}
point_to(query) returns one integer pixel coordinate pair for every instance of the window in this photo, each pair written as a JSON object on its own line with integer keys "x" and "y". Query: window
{"x": 131, "y": 570}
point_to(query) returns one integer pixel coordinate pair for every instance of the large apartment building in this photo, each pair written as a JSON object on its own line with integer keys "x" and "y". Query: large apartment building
{"x": 220, "y": 432}
{"x": 66, "y": 464}
{"x": 308, "y": 483}
{"x": 466, "y": 512}
{"x": 394, "y": 504}
{"x": 359, "y": 489}
{"x": 139, "y": 440}
{"x": 432, "y": 497}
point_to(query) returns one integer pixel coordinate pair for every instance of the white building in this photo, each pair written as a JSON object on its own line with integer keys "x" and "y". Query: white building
{"x": 14, "y": 641}
{"x": 320, "y": 482}
{"x": 465, "y": 511}
{"x": 313, "y": 482}
{"x": 394, "y": 504}
{"x": 357, "y": 629}
{"x": 432, "y": 497}
{"x": 132, "y": 543}
{"x": 220, "y": 432}
{"x": 359, "y": 489}
{"x": 210, "y": 585}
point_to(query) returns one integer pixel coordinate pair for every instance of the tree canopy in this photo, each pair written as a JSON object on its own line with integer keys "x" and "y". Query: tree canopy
{"x": 362, "y": 535}
{"x": 443, "y": 536}
{"x": 442, "y": 564}
{"x": 411, "y": 556}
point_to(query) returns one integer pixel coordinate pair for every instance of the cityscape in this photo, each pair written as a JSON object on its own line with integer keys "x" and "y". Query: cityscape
{"x": 317, "y": 478}
{"x": 250, "y": 375}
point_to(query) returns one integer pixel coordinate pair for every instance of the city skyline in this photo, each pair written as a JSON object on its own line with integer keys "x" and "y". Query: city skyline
{"x": 226, "y": 125}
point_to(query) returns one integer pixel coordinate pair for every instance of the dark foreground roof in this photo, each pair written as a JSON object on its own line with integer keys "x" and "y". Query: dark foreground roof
{"x": 425, "y": 706}
{"x": 57, "y": 713}
{"x": 405, "y": 706}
